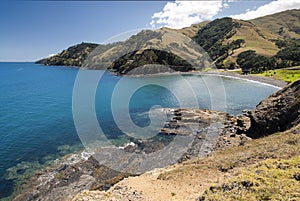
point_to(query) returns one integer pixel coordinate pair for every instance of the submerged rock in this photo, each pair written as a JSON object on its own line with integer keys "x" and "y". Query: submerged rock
{"x": 207, "y": 131}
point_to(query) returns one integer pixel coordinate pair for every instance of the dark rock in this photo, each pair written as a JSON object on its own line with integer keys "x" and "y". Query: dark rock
{"x": 208, "y": 131}
{"x": 279, "y": 112}
{"x": 61, "y": 168}
{"x": 68, "y": 177}
{"x": 297, "y": 176}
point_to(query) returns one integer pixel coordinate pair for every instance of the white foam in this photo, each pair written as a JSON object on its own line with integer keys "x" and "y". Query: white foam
{"x": 245, "y": 79}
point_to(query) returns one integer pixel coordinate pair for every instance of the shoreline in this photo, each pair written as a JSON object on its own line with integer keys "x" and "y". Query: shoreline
{"x": 254, "y": 78}
{"x": 251, "y": 78}
{"x": 279, "y": 84}
{"x": 232, "y": 75}
{"x": 78, "y": 172}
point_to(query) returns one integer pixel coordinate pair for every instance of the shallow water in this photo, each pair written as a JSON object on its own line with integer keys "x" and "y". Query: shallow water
{"x": 36, "y": 120}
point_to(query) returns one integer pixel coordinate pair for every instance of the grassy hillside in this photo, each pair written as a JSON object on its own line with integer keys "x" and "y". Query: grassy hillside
{"x": 261, "y": 169}
{"x": 255, "y": 39}
{"x": 192, "y": 30}
{"x": 268, "y": 180}
{"x": 163, "y": 46}
{"x": 284, "y": 24}
{"x": 220, "y": 39}
{"x": 73, "y": 56}
{"x": 288, "y": 75}
{"x": 273, "y": 39}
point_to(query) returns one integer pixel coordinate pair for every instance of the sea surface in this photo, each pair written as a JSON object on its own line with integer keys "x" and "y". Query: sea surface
{"x": 36, "y": 118}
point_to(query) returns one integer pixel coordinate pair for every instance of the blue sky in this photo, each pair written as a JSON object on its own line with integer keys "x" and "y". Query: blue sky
{"x": 31, "y": 30}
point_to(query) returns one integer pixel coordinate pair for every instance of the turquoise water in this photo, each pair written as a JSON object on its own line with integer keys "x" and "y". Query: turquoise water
{"x": 36, "y": 123}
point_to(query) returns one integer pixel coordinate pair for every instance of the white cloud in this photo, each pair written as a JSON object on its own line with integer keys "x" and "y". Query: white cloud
{"x": 181, "y": 14}
{"x": 268, "y": 9}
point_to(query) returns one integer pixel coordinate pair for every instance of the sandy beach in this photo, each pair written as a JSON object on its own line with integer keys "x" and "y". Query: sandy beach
{"x": 254, "y": 78}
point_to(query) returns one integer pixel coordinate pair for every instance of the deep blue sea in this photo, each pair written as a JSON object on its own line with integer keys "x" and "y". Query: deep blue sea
{"x": 36, "y": 121}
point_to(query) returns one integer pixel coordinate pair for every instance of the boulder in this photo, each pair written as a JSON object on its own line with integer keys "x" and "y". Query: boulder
{"x": 279, "y": 112}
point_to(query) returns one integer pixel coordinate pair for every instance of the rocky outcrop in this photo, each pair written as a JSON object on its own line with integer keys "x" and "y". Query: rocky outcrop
{"x": 277, "y": 113}
{"x": 81, "y": 172}
{"x": 67, "y": 177}
{"x": 212, "y": 130}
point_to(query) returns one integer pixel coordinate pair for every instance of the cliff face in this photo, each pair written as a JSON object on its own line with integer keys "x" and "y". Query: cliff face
{"x": 277, "y": 113}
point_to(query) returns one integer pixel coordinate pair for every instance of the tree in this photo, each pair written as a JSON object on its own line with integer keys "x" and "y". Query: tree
{"x": 250, "y": 61}
{"x": 289, "y": 54}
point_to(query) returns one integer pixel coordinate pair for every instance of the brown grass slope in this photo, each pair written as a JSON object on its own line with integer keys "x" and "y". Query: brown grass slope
{"x": 256, "y": 39}
{"x": 259, "y": 35}
{"x": 285, "y": 24}
{"x": 208, "y": 177}
{"x": 163, "y": 39}
{"x": 192, "y": 30}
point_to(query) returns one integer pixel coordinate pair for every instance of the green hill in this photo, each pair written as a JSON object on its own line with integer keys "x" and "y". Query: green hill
{"x": 257, "y": 45}
{"x": 266, "y": 43}
{"x": 158, "y": 51}
{"x": 73, "y": 56}
{"x": 285, "y": 24}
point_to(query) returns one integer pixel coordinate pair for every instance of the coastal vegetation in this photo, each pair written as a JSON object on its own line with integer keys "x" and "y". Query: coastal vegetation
{"x": 73, "y": 56}
{"x": 261, "y": 169}
{"x": 255, "y": 46}
{"x": 288, "y": 74}
{"x": 269, "y": 179}
{"x": 287, "y": 56}
{"x": 150, "y": 56}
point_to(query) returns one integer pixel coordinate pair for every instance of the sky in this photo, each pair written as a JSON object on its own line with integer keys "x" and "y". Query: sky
{"x": 31, "y": 30}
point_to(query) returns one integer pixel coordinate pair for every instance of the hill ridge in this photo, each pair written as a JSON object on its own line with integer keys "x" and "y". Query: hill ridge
{"x": 258, "y": 35}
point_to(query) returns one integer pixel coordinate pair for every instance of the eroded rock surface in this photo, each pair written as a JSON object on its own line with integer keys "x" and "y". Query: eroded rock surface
{"x": 279, "y": 112}
{"x": 203, "y": 130}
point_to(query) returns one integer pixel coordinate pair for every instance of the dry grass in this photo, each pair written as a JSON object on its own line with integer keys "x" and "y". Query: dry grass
{"x": 233, "y": 166}
{"x": 268, "y": 180}
{"x": 255, "y": 39}
{"x": 193, "y": 29}
{"x": 286, "y": 19}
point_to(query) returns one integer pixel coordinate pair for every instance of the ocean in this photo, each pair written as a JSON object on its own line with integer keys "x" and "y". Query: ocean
{"x": 36, "y": 116}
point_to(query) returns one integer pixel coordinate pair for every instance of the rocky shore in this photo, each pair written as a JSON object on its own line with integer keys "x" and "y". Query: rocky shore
{"x": 209, "y": 131}
{"x": 237, "y": 168}
{"x": 81, "y": 177}
{"x": 281, "y": 111}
